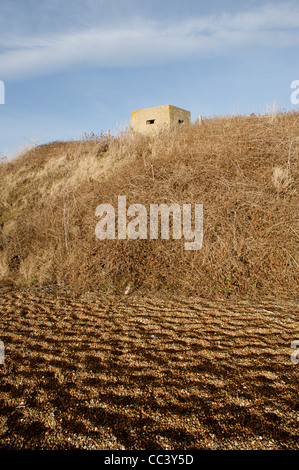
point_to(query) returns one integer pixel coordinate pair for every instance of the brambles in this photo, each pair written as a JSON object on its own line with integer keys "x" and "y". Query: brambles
{"x": 244, "y": 170}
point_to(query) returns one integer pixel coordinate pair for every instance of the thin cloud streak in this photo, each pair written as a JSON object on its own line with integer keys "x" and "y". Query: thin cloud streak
{"x": 150, "y": 43}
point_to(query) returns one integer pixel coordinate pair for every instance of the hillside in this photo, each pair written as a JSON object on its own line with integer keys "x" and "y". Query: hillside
{"x": 243, "y": 169}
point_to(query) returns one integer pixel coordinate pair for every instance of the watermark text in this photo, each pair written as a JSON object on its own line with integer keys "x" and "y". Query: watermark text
{"x": 137, "y": 227}
{"x": 295, "y": 94}
{"x": 2, "y": 92}
{"x": 2, "y": 352}
{"x": 294, "y": 358}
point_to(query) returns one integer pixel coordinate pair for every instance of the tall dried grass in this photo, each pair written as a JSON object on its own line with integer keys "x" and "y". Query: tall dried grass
{"x": 243, "y": 169}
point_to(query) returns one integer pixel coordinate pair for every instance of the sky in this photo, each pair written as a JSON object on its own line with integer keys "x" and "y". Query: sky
{"x": 82, "y": 66}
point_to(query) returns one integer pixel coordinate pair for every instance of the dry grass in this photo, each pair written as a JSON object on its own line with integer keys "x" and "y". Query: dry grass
{"x": 244, "y": 170}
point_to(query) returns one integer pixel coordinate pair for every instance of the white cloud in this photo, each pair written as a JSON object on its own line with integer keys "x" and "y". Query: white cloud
{"x": 146, "y": 43}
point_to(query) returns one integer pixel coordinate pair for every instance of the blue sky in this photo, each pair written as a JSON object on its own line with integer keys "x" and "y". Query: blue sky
{"x": 82, "y": 66}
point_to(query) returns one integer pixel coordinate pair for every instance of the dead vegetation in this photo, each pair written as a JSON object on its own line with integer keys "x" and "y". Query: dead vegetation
{"x": 243, "y": 169}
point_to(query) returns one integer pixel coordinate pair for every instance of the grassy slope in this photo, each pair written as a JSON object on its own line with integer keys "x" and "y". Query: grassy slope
{"x": 244, "y": 170}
